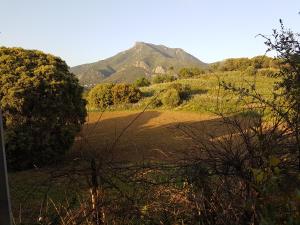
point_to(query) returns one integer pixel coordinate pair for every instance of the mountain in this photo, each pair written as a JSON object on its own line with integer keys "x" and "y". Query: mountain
{"x": 142, "y": 60}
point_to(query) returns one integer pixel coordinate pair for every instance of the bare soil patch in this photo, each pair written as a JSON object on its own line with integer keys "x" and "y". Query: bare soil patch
{"x": 154, "y": 135}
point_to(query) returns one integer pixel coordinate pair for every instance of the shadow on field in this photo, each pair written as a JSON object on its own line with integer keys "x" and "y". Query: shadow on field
{"x": 199, "y": 91}
{"x": 152, "y": 136}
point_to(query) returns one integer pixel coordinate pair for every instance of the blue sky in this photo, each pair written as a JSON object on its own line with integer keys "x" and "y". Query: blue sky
{"x": 82, "y": 31}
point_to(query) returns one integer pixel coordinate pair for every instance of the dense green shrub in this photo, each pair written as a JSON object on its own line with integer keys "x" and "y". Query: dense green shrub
{"x": 100, "y": 96}
{"x": 141, "y": 82}
{"x": 163, "y": 79}
{"x": 190, "y": 72}
{"x": 42, "y": 107}
{"x": 125, "y": 93}
{"x": 184, "y": 90}
{"x": 157, "y": 79}
{"x": 250, "y": 71}
{"x": 171, "y": 98}
{"x": 241, "y": 64}
{"x": 154, "y": 102}
{"x": 105, "y": 95}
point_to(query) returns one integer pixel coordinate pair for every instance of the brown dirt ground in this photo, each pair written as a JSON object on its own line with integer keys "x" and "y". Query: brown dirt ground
{"x": 153, "y": 135}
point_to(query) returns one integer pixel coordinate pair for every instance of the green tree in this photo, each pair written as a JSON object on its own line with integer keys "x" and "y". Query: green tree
{"x": 251, "y": 71}
{"x": 242, "y": 64}
{"x": 185, "y": 73}
{"x": 184, "y": 90}
{"x": 287, "y": 46}
{"x": 125, "y": 93}
{"x": 171, "y": 98}
{"x": 190, "y": 72}
{"x": 273, "y": 143}
{"x": 100, "y": 96}
{"x": 163, "y": 78}
{"x": 141, "y": 82}
{"x": 42, "y": 107}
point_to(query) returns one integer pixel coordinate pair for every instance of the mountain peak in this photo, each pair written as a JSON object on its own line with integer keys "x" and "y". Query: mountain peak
{"x": 142, "y": 60}
{"x": 158, "y": 47}
{"x": 139, "y": 43}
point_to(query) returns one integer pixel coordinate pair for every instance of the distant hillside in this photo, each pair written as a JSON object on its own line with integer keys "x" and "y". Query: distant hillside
{"x": 142, "y": 60}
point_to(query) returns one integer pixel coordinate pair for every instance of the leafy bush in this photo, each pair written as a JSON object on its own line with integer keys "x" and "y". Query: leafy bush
{"x": 42, "y": 107}
{"x": 141, "y": 82}
{"x": 171, "y": 98}
{"x": 251, "y": 71}
{"x": 274, "y": 177}
{"x": 184, "y": 90}
{"x": 104, "y": 95}
{"x": 154, "y": 102}
{"x": 101, "y": 96}
{"x": 190, "y": 72}
{"x": 125, "y": 93}
{"x": 241, "y": 64}
{"x": 163, "y": 79}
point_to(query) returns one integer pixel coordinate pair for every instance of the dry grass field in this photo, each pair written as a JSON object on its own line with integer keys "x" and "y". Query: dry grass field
{"x": 151, "y": 135}
{"x": 130, "y": 136}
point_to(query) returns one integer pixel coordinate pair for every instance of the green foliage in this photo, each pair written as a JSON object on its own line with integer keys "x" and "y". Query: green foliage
{"x": 154, "y": 102}
{"x": 170, "y": 95}
{"x": 125, "y": 93}
{"x": 101, "y": 96}
{"x": 157, "y": 79}
{"x": 287, "y": 45}
{"x": 250, "y": 71}
{"x": 141, "y": 82}
{"x": 205, "y": 90}
{"x": 242, "y": 64}
{"x": 235, "y": 64}
{"x": 105, "y": 95}
{"x": 42, "y": 107}
{"x": 276, "y": 177}
{"x": 267, "y": 72}
{"x": 184, "y": 90}
{"x": 190, "y": 72}
{"x": 163, "y": 79}
{"x": 171, "y": 98}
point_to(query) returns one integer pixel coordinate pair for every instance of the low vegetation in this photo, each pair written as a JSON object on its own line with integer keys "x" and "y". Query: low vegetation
{"x": 242, "y": 64}
{"x": 163, "y": 78}
{"x": 104, "y": 95}
{"x": 141, "y": 82}
{"x": 198, "y": 93}
{"x": 125, "y": 93}
{"x": 170, "y": 98}
{"x": 100, "y": 96}
{"x": 190, "y": 72}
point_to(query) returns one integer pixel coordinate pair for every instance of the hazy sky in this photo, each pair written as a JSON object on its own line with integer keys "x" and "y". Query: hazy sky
{"x": 82, "y": 31}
